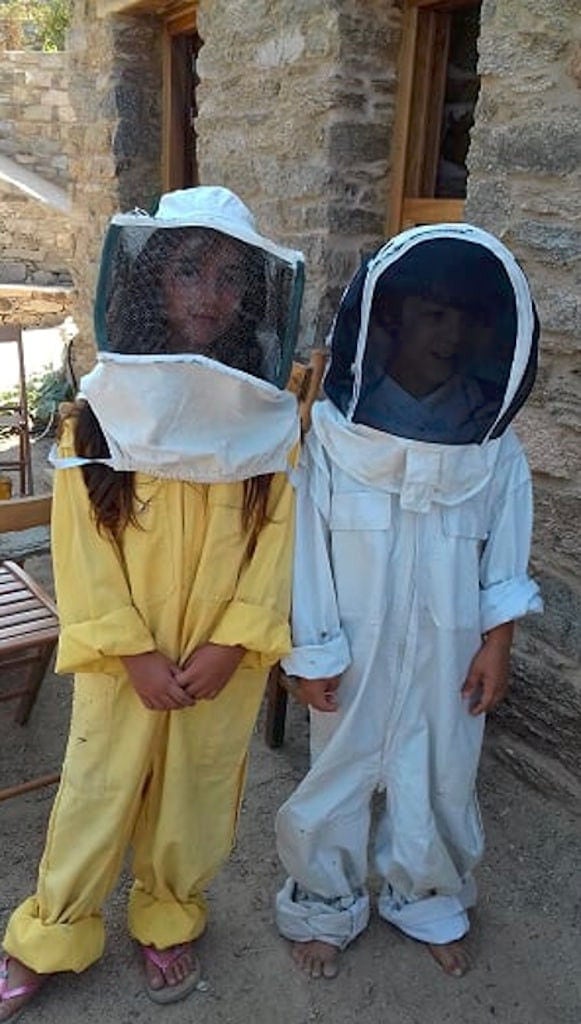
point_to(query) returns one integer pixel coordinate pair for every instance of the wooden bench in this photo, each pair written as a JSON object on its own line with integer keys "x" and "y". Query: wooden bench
{"x": 28, "y": 624}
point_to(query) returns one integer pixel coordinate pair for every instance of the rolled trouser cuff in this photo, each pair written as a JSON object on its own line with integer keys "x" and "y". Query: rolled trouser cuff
{"x": 435, "y": 919}
{"x": 165, "y": 923}
{"x": 49, "y": 948}
{"x": 305, "y": 917}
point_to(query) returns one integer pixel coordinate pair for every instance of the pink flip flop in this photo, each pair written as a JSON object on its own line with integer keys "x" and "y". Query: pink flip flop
{"x": 163, "y": 959}
{"x": 6, "y": 994}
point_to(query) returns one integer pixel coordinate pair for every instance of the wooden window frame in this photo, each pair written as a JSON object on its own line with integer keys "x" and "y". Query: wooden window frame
{"x": 183, "y": 23}
{"x": 416, "y": 137}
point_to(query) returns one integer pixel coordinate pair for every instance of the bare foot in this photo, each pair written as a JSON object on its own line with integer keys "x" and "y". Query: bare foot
{"x": 317, "y": 959}
{"x": 171, "y": 973}
{"x": 451, "y": 956}
{"x": 18, "y": 985}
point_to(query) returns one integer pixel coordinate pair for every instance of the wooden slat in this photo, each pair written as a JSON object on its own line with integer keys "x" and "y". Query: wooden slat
{"x": 20, "y": 643}
{"x": 12, "y": 694}
{"x": 438, "y": 74}
{"x": 24, "y": 513}
{"x": 421, "y": 109}
{"x": 31, "y": 585}
{"x": 401, "y": 129}
{"x": 431, "y": 211}
{"x": 19, "y": 601}
{"x": 27, "y": 618}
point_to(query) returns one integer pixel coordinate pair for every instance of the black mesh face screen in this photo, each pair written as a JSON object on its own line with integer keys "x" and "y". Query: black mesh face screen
{"x": 440, "y": 344}
{"x": 196, "y": 290}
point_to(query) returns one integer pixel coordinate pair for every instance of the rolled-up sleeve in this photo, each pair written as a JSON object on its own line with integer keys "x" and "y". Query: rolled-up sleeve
{"x": 257, "y": 617}
{"x": 98, "y": 619}
{"x": 320, "y": 647}
{"x": 507, "y": 591}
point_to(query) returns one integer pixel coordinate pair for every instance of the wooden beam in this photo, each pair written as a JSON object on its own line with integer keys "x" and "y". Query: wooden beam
{"x": 24, "y": 513}
{"x": 441, "y": 5}
{"x": 161, "y": 8}
{"x": 431, "y": 211}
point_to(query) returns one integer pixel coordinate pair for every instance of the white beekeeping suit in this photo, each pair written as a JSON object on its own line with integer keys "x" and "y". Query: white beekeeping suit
{"x": 413, "y": 533}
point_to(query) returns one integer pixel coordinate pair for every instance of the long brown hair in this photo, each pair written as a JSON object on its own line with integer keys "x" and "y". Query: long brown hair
{"x": 112, "y": 492}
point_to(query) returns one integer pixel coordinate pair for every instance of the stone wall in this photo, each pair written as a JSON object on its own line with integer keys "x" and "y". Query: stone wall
{"x": 116, "y": 137}
{"x": 35, "y": 306}
{"x": 36, "y": 242}
{"x": 295, "y": 114}
{"x": 35, "y": 112}
{"x": 525, "y": 185}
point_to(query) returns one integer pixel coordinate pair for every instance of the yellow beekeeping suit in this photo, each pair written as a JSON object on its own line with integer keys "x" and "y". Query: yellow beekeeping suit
{"x": 168, "y": 783}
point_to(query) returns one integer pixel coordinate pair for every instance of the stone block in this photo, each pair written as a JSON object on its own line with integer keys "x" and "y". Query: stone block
{"x": 13, "y": 273}
{"x": 355, "y": 220}
{"x": 551, "y": 449}
{"x": 356, "y": 142}
{"x": 551, "y": 147}
{"x": 556, "y": 243}
{"x": 560, "y": 625}
{"x": 544, "y": 702}
{"x": 556, "y": 529}
{"x": 36, "y": 112}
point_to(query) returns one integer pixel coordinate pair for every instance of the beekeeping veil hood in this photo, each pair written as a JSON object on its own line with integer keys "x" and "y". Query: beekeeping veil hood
{"x": 433, "y": 351}
{"x": 196, "y": 319}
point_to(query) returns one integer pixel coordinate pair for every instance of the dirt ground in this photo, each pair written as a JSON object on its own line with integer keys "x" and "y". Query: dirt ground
{"x": 525, "y": 940}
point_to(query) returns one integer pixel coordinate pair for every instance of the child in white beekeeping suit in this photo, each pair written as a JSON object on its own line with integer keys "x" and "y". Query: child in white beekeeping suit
{"x": 172, "y": 537}
{"x": 413, "y": 534}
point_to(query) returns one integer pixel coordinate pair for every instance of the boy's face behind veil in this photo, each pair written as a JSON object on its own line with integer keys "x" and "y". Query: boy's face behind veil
{"x": 442, "y": 328}
{"x": 421, "y": 350}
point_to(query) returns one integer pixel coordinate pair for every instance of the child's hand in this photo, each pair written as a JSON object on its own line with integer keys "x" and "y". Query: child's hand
{"x": 487, "y": 680}
{"x": 208, "y": 669}
{"x": 317, "y": 693}
{"x": 154, "y": 680}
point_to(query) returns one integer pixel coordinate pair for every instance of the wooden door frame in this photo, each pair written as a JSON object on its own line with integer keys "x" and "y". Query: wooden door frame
{"x": 422, "y": 81}
{"x": 183, "y": 24}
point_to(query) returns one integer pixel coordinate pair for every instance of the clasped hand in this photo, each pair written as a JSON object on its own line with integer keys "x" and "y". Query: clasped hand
{"x": 161, "y": 685}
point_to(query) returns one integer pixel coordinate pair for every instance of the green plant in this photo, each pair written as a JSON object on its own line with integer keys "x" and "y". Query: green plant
{"x": 37, "y": 24}
{"x": 44, "y": 392}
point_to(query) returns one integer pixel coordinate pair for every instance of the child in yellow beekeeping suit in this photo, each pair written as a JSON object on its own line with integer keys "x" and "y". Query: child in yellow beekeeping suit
{"x": 172, "y": 538}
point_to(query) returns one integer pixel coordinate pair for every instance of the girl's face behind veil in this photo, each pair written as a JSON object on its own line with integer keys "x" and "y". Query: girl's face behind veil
{"x": 203, "y": 286}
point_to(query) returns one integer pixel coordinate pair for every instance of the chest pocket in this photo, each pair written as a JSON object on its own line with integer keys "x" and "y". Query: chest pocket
{"x": 454, "y": 590}
{"x": 147, "y": 546}
{"x": 362, "y": 540}
{"x": 465, "y": 521}
{"x": 223, "y": 550}
{"x": 360, "y": 510}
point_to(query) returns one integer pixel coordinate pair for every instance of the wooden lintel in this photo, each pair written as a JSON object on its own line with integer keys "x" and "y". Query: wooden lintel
{"x": 431, "y": 211}
{"x": 441, "y": 5}
{"x": 165, "y": 9}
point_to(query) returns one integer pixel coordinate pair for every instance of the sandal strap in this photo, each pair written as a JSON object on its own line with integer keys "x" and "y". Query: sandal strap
{"x": 6, "y": 994}
{"x": 164, "y": 958}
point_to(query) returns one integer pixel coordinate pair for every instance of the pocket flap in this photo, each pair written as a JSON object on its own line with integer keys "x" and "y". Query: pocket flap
{"x": 464, "y": 522}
